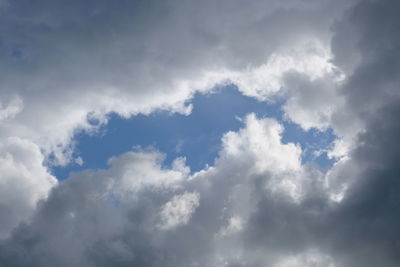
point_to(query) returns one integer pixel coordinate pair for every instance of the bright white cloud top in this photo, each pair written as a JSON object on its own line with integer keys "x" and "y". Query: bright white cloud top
{"x": 65, "y": 66}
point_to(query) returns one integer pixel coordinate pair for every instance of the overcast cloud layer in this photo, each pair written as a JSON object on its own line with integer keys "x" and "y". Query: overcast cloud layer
{"x": 65, "y": 65}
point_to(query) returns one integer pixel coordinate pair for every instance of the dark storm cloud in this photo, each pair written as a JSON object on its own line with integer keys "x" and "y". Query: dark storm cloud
{"x": 365, "y": 227}
{"x": 370, "y": 33}
{"x": 369, "y": 217}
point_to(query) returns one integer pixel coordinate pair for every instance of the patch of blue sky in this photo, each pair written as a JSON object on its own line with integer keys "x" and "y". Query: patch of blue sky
{"x": 197, "y": 136}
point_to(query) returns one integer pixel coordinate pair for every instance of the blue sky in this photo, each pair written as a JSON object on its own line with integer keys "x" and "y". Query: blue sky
{"x": 196, "y": 136}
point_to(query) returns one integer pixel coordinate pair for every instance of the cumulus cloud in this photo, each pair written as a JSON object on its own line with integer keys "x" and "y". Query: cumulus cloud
{"x": 137, "y": 56}
{"x": 178, "y": 210}
{"x": 24, "y": 181}
{"x": 67, "y": 64}
{"x": 136, "y": 208}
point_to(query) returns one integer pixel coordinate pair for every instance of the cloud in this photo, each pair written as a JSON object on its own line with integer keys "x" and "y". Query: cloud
{"x": 65, "y": 65}
{"x": 367, "y": 217}
{"x": 24, "y": 181}
{"x": 309, "y": 258}
{"x": 137, "y": 56}
{"x": 142, "y": 213}
{"x": 258, "y": 205}
{"x": 11, "y": 109}
{"x": 178, "y": 210}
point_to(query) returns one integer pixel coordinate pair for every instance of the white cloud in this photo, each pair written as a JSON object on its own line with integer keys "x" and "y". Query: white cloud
{"x": 135, "y": 171}
{"x": 235, "y": 224}
{"x": 310, "y": 258}
{"x": 24, "y": 181}
{"x": 11, "y": 109}
{"x": 131, "y": 208}
{"x": 64, "y": 63}
{"x": 179, "y": 210}
{"x": 82, "y": 63}
{"x": 79, "y": 161}
{"x": 310, "y": 58}
{"x": 260, "y": 141}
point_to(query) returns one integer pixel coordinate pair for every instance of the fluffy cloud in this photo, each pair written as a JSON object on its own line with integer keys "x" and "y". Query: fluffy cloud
{"x": 67, "y": 65}
{"x": 24, "y": 181}
{"x": 178, "y": 210}
{"x": 85, "y": 60}
{"x": 138, "y": 212}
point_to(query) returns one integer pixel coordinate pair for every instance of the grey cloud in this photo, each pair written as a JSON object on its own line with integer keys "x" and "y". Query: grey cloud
{"x": 311, "y": 104}
{"x": 368, "y": 216}
{"x": 64, "y": 64}
{"x": 110, "y": 217}
{"x": 129, "y": 56}
{"x": 361, "y": 230}
{"x": 373, "y": 39}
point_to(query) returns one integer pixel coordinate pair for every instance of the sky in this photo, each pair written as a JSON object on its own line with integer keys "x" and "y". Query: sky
{"x": 195, "y": 136}
{"x": 199, "y": 133}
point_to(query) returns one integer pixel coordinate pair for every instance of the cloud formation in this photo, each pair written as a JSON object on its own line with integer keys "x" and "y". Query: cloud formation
{"x": 67, "y": 64}
{"x": 140, "y": 213}
{"x": 85, "y": 60}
